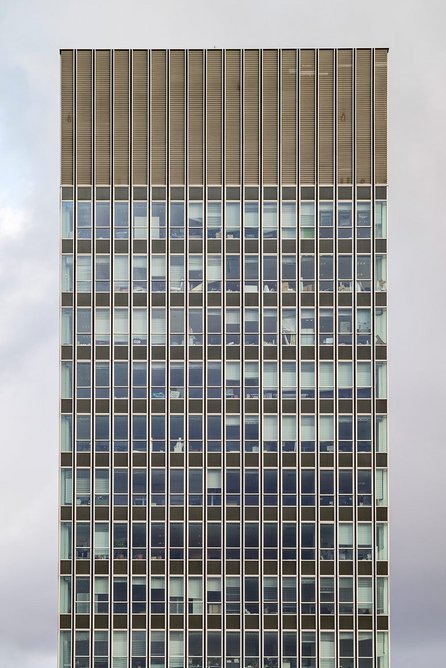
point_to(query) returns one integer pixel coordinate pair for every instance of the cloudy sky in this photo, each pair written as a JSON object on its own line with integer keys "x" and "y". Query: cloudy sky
{"x": 31, "y": 34}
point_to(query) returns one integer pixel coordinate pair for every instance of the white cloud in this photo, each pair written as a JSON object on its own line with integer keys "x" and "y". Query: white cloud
{"x": 13, "y": 221}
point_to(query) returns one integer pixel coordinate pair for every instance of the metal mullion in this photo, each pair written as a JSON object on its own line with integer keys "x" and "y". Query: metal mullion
{"x": 110, "y": 363}
{"x": 130, "y": 350}
{"x": 148, "y": 360}
{"x": 204, "y": 358}
{"x": 112, "y": 342}
{"x": 149, "y": 356}
{"x": 335, "y": 354}
{"x": 74, "y": 359}
{"x": 167, "y": 357}
{"x": 242, "y": 353}
{"x": 373, "y": 360}
{"x": 354, "y": 360}
{"x": 260, "y": 362}
{"x": 298, "y": 358}
{"x": 279, "y": 363}
{"x": 93, "y": 346}
{"x": 317, "y": 513}
{"x": 186, "y": 300}
{"x": 223, "y": 340}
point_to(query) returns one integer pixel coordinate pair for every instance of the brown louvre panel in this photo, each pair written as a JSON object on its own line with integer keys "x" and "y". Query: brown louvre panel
{"x": 214, "y": 117}
{"x": 381, "y": 116}
{"x": 102, "y": 117}
{"x": 270, "y": 115}
{"x": 139, "y": 147}
{"x": 196, "y": 117}
{"x": 251, "y": 120}
{"x": 84, "y": 116}
{"x": 177, "y": 117}
{"x": 232, "y": 117}
{"x": 66, "y": 64}
{"x": 363, "y": 116}
{"x": 325, "y": 116}
{"x": 344, "y": 116}
{"x": 121, "y": 118}
{"x": 307, "y": 125}
{"x": 158, "y": 116}
{"x": 288, "y": 116}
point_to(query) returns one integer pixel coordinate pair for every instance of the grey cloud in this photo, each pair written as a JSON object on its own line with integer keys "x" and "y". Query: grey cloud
{"x": 32, "y": 33}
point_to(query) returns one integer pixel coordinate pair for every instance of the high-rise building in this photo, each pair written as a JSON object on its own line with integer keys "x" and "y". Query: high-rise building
{"x": 223, "y": 464}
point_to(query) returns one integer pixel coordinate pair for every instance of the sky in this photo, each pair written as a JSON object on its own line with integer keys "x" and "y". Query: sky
{"x": 31, "y": 34}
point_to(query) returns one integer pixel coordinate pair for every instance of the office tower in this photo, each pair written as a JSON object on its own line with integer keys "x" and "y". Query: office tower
{"x": 223, "y": 359}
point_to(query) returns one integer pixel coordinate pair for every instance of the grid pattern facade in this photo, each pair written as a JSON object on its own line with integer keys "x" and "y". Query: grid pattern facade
{"x": 223, "y": 448}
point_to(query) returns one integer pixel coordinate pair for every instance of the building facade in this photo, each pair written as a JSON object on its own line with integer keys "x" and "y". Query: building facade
{"x": 223, "y": 450}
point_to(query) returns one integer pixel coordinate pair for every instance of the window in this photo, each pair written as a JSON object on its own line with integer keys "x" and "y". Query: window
{"x": 84, "y": 220}
{"x": 345, "y": 282}
{"x": 269, "y": 273}
{"x": 232, "y": 223}
{"x": 326, "y": 433}
{"x": 251, "y": 220}
{"x": 269, "y": 223}
{"x": 195, "y": 220}
{"x": 326, "y": 220}
{"x": 325, "y": 273}
{"x": 344, "y": 220}
{"x": 121, "y": 221}
{"x": 158, "y": 221}
{"x": 140, "y": 220}
{"x": 251, "y": 273}
{"x": 381, "y": 220}
{"x": 288, "y": 220}
{"x": 363, "y": 220}
{"x": 102, "y": 223}
{"x": 67, "y": 273}
{"x": 307, "y": 433}
{"x": 270, "y": 380}
{"x": 289, "y": 283}
{"x": 213, "y": 276}
{"x": 214, "y": 220}
{"x": 195, "y": 270}
{"x": 307, "y": 220}
{"x": 364, "y": 541}
{"x": 381, "y": 273}
{"x": 67, "y": 220}
{"x": 326, "y": 380}
{"x": 363, "y": 273}
{"x": 289, "y": 327}
{"x": 176, "y": 273}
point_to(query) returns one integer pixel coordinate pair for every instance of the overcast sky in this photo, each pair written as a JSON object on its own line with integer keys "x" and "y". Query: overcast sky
{"x": 31, "y": 34}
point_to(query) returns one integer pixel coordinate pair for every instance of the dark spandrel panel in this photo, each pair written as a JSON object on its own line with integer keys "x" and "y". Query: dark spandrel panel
{"x": 232, "y": 192}
{"x": 84, "y": 192}
{"x": 307, "y": 192}
{"x": 177, "y": 193}
{"x": 196, "y": 193}
{"x": 214, "y": 193}
{"x": 363, "y": 192}
{"x": 103, "y": 193}
{"x": 326, "y": 192}
{"x": 251, "y": 193}
{"x": 67, "y": 192}
{"x": 140, "y": 193}
{"x": 344, "y": 192}
{"x": 121, "y": 193}
{"x": 158, "y": 193}
{"x": 270, "y": 192}
{"x": 289, "y": 192}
